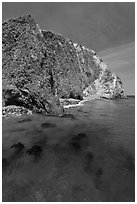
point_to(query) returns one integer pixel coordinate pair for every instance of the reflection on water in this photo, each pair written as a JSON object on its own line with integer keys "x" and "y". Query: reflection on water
{"x": 87, "y": 157}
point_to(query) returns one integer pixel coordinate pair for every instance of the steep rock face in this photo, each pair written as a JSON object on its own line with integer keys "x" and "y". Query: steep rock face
{"x": 65, "y": 72}
{"x": 39, "y": 67}
{"x": 25, "y": 81}
{"x": 78, "y": 72}
{"x": 99, "y": 81}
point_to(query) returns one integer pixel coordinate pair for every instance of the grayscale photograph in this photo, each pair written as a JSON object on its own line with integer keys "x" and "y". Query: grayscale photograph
{"x": 68, "y": 101}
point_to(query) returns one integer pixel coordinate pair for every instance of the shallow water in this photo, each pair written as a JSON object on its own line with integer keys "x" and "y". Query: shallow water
{"x": 86, "y": 156}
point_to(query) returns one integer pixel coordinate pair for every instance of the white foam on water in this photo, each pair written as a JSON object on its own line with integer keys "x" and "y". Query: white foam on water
{"x": 81, "y": 103}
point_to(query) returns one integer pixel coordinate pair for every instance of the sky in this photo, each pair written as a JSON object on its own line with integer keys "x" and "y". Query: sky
{"x": 97, "y": 25}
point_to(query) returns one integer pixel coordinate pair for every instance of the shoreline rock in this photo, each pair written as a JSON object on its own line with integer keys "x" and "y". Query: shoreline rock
{"x": 69, "y": 101}
{"x": 39, "y": 67}
{"x": 15, "y": 111}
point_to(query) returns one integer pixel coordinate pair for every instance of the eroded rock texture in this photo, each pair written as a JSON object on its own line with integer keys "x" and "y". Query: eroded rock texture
{"x": 39, "y": 67}
{"x": 99, "y": 81}
{"x": 26, "y": 82}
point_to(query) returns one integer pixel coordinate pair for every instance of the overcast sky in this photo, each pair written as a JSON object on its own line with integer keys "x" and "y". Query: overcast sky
{"x": 98, "y": 26}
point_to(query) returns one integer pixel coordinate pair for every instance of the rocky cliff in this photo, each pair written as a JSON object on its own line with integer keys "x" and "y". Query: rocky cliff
{"x": 39, "y": 67}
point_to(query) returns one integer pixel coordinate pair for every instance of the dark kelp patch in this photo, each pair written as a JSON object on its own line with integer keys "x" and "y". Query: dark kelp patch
{"x": 35, "y": 151}
{"x": 77, "y": 142}
{"x": 48, "y": 125}
{"x": 70, "y": 116}
{"x": 18, "y": 146}
{"x": 24, "y": 120}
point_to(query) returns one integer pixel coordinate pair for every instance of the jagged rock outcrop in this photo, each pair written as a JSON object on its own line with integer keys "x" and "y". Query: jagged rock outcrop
{"x": 25, "y": 81}
{"x": 15, "y": 111}
{"x": 99, "y": 81}
{"x": 39, "y": 67}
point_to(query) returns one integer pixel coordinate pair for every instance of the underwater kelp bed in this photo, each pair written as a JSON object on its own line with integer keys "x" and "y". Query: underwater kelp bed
{"x": 75, "y": 162}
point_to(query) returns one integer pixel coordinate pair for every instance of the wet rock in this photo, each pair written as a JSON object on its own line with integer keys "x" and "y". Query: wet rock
{"x": 88, "y": 162}
{"x": 35, "y": 150}
{"x": 98, "y": 178}
{"x": 25, "y": 120}
{"x": 15, "y": 111}
{"x": 99, "y": 172}
{"x": 48, "y": 125}
{"x": 67, "y": 115}
{"x": 89, "y": 157}
{"x": 19, "y": 146}
{"x": 75, "y": 145}
{"x": 79, "y": 141}
{"x": 81, "y": 135}
{"x": 66, "y": 102}
{"x": 5, "y": 163}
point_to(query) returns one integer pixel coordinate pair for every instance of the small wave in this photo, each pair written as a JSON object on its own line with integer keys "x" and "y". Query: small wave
{"x": 81, "y": 103}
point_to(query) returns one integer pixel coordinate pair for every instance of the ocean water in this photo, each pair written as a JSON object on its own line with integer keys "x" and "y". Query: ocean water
{"x": 88, "y": 155}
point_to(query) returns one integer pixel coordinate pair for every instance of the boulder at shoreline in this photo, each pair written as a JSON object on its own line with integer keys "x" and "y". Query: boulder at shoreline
{"x": 39, "y": 67}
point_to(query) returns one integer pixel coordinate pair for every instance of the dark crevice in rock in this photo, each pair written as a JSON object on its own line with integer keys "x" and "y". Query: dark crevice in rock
{"x": 23, "y": 99}
{"x": 75, "y": 96}
{"x": 12, "y": 98}
{"x": 51, "y": 81}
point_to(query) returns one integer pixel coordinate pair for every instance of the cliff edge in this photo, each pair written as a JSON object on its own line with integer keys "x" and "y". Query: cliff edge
{"x": 39, "y": 67}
